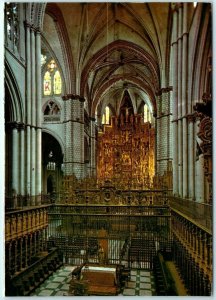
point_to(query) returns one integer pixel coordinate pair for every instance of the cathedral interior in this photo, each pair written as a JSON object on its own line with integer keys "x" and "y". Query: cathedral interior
{"x": 108, "y": 148}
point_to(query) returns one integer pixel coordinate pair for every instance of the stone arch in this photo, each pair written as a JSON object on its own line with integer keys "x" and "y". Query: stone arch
{"x": 136, "y": 81}
{"x": 13, "y": 108}
{"x": 55, "y": 136}
{"x": 53, "y": 11}
{"x": 199, "y": 54}
{"x": 140, "y": 53}
{"x": 52, "y": 160}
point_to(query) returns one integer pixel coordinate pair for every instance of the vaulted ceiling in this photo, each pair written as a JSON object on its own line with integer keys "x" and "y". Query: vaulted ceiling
{"x": 105, "y": 48}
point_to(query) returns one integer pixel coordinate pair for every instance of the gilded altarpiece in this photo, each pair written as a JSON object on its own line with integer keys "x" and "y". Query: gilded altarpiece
{"x": 126, "y": 152}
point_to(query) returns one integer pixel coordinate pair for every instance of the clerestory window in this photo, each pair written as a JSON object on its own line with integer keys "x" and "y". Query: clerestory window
{"x": 147, "y": 114}
{"x": 52, "y": 82}
{"x": 106, "y": 116}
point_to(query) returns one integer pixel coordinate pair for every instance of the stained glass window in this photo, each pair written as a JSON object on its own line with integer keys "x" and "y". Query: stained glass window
{"x": 57, "y": 83}
{"x": 52, "y": 79}
{"x": 106, "y": 116}
{"x": 47, "y": 83}
{"x": 147, "y": 114}
{"x": 103, "y": 119}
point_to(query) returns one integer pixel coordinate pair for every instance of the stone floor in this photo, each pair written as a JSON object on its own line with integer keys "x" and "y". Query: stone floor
{"x": 141, "y": 284}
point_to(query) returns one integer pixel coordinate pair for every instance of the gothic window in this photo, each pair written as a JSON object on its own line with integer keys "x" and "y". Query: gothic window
{"x": 47, "y": 83}
{"x": 103, "y": 119}
{"x": 147, "y": 114}
{"x": 106, "y": 116}
{"x": 52, "y": 80}
{"x": 51, "y": 112}
{"x": 51, "y": 164}
{"x": 57, "y": 83}
{"x": 12, "y": 21}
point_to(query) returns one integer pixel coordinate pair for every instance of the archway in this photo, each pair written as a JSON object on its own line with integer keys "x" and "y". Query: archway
{"x": 52, "y": 158}
{"x": 14, "y": 129}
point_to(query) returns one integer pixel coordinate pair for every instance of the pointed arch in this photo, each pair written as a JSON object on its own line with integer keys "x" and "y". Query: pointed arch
{"x": 54, "y": 12}
{"x": 137, "y": 50}
{"x": 199, "y": 53}
{"x": 14, "y": 104}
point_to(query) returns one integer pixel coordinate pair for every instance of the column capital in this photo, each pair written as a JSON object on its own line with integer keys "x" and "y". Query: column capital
{"x": 73, "y": 97}
{"x": 21, "y": 126}
{"x": 15, "y": 125}
{"x": 11, "y": 125}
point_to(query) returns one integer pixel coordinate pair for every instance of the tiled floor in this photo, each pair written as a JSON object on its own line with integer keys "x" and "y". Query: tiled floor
{"x": 141, "y": 284}
{"x": 57, "y": 284}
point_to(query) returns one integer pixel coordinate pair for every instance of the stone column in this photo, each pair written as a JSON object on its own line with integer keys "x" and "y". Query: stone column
{"x": 68, "y": 167}
{"x": 180, "y": 157}
{"x": 156, "y": 147}
{"x": 78, "y": 137}
{"x": 33, "y": 148}
{"x": 175, "y": 104}
{"x": 28, "y": 112}
{"x": 38, "y": 173}
{"x": 93, "y": 147}
{"x": 15, "y": 165}
{"x": 22, "y": 160}
{"x": 33, "y": 118}
{"x": 74, "y": 136}
{"x": 184, "y": 101}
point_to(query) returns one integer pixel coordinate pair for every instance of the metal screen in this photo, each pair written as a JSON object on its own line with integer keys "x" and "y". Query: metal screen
{"x": 131, "y": 234}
